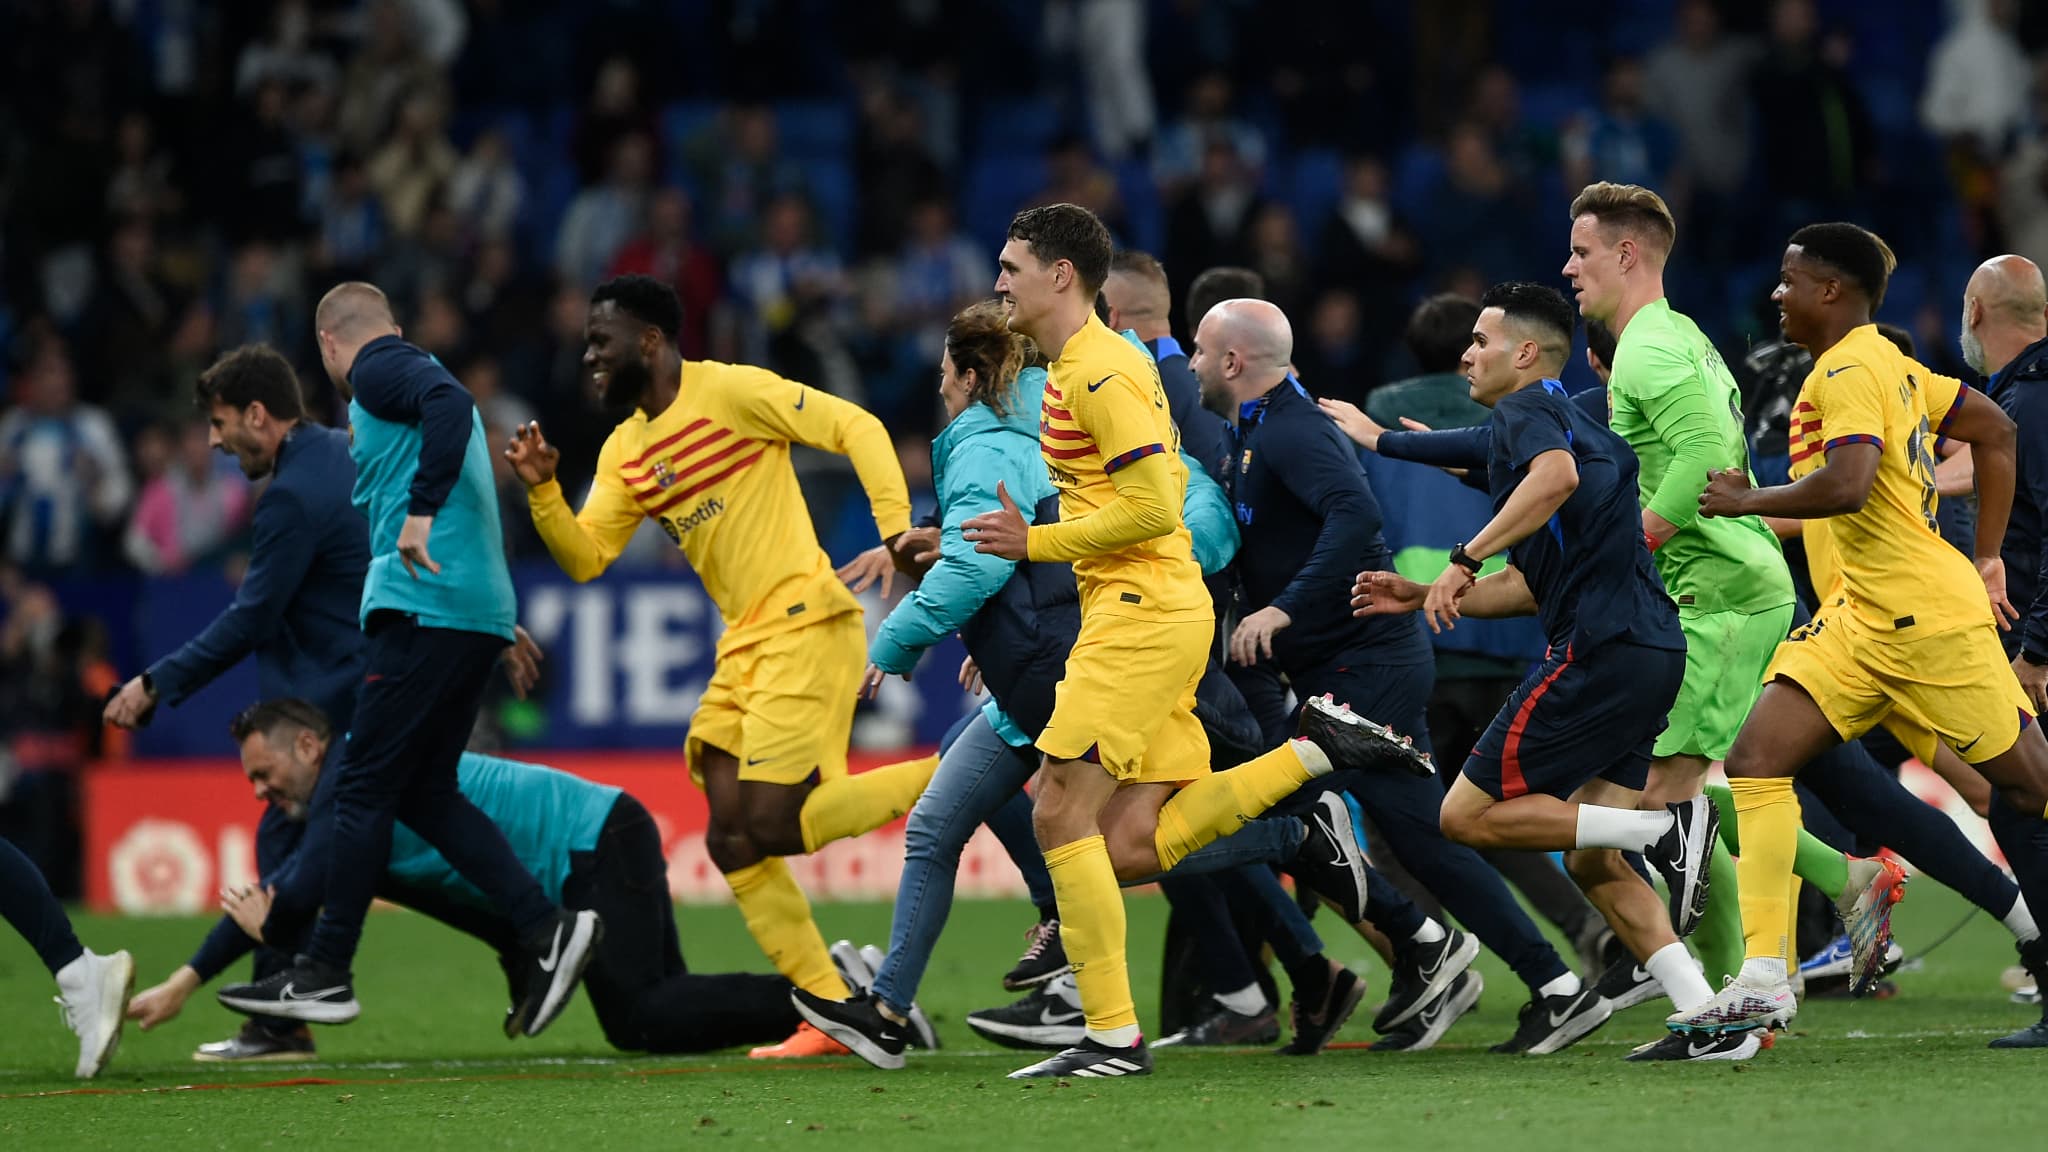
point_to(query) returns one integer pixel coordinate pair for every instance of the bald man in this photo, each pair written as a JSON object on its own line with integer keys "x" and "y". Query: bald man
{"x": 1140, "y": 300}
{"x": 1309, "y": 522}
{"x": 438, "y": 611}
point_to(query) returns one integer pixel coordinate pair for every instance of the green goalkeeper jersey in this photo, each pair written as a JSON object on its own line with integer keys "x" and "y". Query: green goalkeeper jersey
{"x": 1672, "y": 399}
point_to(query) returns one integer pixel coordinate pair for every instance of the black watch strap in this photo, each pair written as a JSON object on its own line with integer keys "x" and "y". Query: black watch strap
{"x": 2037, "y": 659}
{"x": 1463, "y": 559}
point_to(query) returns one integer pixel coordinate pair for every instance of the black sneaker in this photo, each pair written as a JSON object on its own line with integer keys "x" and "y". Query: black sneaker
{"x": 1331, "y": 859}
{"x": 1674, "y": 1046}
{"x": 922, "y": 1034}
{"x": 1626, "y": 984}
{"x": 1429, "y": 1025}
{"x": 1049, "y": 1016}
{"x": 2034, "y": 958}
{"x": 1422, "y": 972}
{"x": 554, "y": 966}
{"x": 1089, "y": 1058}
{"x": 257, "y": 1044}
{"x": 1224, "y": 1027}
{"x": 307, "y": 991}
{"x": 1681, "y": 855}
{"x": 1314, "y": 1028}
{"x": 1352, "y": 741}
{"x": 1550, "y": 1023}
{"x": 858, "y": 1024}
{"x": 1045, "y": 956}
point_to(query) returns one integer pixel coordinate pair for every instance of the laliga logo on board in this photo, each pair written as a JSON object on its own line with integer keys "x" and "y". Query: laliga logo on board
{"x": 160, "y": 866}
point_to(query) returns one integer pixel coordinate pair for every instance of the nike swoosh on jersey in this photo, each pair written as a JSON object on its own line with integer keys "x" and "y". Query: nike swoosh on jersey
{"x": 1843, "y": 368}
{"x": 1101, "y": 382}
{"x": 800, "y": 398}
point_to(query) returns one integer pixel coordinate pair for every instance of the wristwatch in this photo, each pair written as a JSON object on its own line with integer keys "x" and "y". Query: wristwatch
{"x": 1463, "y": 559}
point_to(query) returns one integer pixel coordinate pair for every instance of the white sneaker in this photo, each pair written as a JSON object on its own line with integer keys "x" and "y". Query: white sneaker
{"x": 1745, "y": 1002}
{"x": 93, "y": 991}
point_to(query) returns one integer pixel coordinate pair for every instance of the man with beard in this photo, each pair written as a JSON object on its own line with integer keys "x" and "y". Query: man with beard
{"x": 705, "y": 454}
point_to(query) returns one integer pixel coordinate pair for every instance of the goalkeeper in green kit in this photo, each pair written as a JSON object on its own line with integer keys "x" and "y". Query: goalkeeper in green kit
{"x": 1674, "y": 401}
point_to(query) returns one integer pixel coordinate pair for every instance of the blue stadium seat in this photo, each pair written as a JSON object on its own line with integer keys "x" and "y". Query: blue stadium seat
{"x": 1552, "y": 104}
{"x": 1315, "y": 182}
{"x": 1016, "y": 125}
{"x": 997, "y": 184}
{"x": 1418, "y": 171}
{"x": 815, "y": 130}
{"x": 834, "y": 197}
{"x": 1144, "y": 214}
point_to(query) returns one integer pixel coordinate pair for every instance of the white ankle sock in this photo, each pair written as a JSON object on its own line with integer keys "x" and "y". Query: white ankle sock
{"x": 1430, "y": 933}
{"x": 1763, "y": 972}
{"x": 1621, "y": 828}
{"x": 1249, "y": 1000}
{"x": 2020, "y": 921}
{"x": 1123, "y": 1037}
{"x": 1672, "y": 966}
{"x": 1565, "y": 985}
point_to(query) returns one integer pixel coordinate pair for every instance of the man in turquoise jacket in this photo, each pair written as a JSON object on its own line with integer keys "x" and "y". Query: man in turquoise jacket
{"x": 436, "y": 627}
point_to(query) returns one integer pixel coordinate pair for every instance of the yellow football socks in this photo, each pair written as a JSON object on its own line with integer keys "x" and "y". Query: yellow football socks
{"x": 1769, "y": 814}
{"x": 1092, "y": 928}
{"x": 855, "y": 804}
{"x": 779, "y": 917}
{"x": 1222, "y": 802}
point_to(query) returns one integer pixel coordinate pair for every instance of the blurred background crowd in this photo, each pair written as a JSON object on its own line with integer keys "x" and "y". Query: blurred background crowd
{"x": 826, "y": 182}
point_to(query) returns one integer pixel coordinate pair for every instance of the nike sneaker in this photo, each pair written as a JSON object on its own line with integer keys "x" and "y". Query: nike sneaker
{"x": 256, "y": 1044}
{"x": 1090, "y": 1059}
{"x": 1626, "y": 984}
{"x": 1049, "y": 1016}
{"x": 307, "y": 991}
{"x": 1313, "y": 1027}
{"x": 922, "y": 1034}
{"x": 1832, "y": 962}
{"x": 1045, "y": 956}
{"x": 1727, "y": 1046}
{"x": 1352, "y": 741}
{"x": 1866, "y": 910}
{"x": 556, "y": 959}
{"x": 858, "y": 1024}
{"x": 1421, "y": 974}
{"x": 1744, "y": 1002}
{"x": 2034, "y": 958}
{"x": 1225, "y": 1028}
{"x": 1681, "y": 855}
{"x": 93, "y": 991}
{"x": 1331, "y": 859}
{"x": 1550, "y": 1023}
{"x": 1429, "y": 1025}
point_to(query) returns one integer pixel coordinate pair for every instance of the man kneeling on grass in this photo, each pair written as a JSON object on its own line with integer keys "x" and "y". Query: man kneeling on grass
{"x": 589, "y": 846}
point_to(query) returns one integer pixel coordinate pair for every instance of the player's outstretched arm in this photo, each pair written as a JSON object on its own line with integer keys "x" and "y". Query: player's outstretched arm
{"x": 584, "y": 543}
{"x": 1837, "y": 487}
{"x": 786, "y": 410}
{"x": 1553, "y": 477}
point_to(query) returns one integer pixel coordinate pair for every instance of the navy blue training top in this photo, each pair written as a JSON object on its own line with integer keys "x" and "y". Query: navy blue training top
{"x": 1588, "y": 568}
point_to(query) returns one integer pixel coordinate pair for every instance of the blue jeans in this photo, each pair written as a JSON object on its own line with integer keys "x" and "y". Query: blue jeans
{"x": 974, "y": 779}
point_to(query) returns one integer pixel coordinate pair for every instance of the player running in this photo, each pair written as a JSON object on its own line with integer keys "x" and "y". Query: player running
{"x": 706, "y": 456}
{"x": 1564, "y": 763}
{"x": 1123, "y": 733}
{"x": 1904, "y": 626}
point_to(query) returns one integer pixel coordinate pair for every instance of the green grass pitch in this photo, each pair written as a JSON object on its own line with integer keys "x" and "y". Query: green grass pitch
{"x": 426, "y": 1067}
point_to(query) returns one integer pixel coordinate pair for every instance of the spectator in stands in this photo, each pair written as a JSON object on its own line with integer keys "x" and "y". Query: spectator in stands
{"x": 937, "y": 273}
{"x": 389, "y": 68}
{"x": 895, "y": 168}
{"x": 1274, "y": 248}
{"x": 486, "y": 189}
{"x": 789, "y": 291}
{"x": 1479, "y": 216}
{"x": 64, "y": 480}
{"x": 1111, "y": 40}
{"x": 669, "y": 251}
{"x": 128, "y": 327}
{"x": 1073, "y": 177}
{"x": 2023, "y": 181}
{"x": 1211, "y": 223}
{"x": 739, "y": 167}
{"x": 265, "y": 171}
{"x": 189, "y": 510}
{"x": 1816, "y": 145}
{"x": 1622, "y": 140}
{"x": 1366, "y": 247}
{"x": 1976, "y": 98}
{"x": 1698, "y": 82}
{"x": 438, "y": 326}
{"x": 142, "y": 183}
{"x": 351, "y": 224}
{"x": 617, "y": 109}
{"x": 288, "y": 55}
{"x": 1207, "y": 113}
{"x": 414, "y": 168}
{"x": 1331, "y": 361}
{"x": 603, "y": 217}
{"x": 262, "y": 305}
{"x": 1526, "y": 149}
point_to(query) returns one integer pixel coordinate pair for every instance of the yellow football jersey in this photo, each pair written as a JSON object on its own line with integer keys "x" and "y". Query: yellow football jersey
{"x": 1887, "y": 559}
{"x": 1104, "y": 411}
{"x": 713, "y": 470}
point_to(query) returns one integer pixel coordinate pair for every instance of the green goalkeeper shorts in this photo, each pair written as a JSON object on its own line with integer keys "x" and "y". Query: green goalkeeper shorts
{"x": 1725, "y": 657}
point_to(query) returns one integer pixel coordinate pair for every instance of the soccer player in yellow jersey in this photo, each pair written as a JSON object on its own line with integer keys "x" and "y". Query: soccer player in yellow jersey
{"x": 1126, "y": 788}
{"x": 1905, "y": 629}
{"x": 705, "y": 454}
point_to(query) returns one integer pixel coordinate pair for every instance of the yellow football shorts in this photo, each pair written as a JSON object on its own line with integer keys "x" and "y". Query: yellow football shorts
{"x": 1955, "y": 684}
{"x": 784, "y": 704}
{"x": 1127, "y": 701}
